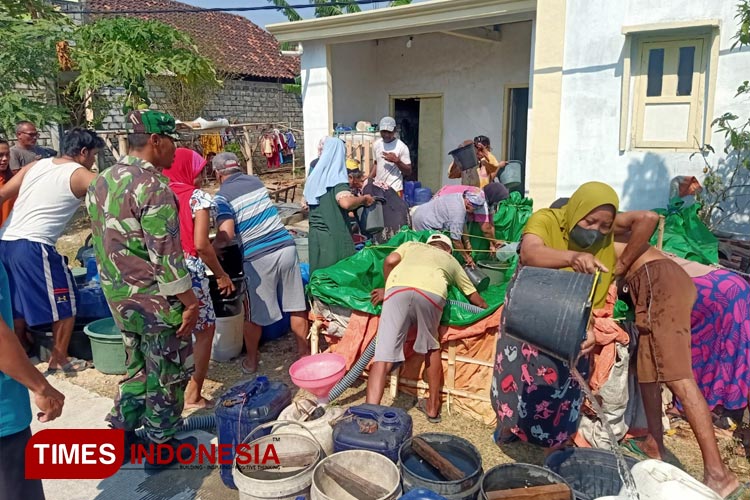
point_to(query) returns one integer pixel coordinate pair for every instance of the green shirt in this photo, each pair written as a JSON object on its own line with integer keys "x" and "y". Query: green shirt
{"x": 136, "y": 238}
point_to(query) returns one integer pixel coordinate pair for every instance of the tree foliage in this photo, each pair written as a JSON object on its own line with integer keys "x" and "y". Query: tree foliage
{"x": 726, "y": 183}
{"x": 323, "y": 8}
{"x": 127, "y": 52}
{"x": 30, "y": 31}
{"x": 117, "y": 52}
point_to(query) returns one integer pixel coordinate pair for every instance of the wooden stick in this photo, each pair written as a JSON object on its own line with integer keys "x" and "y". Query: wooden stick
{"x": 432, "y": 457}
{"x": 660, "y": 238}
{"x": 546, "y": 492}
{"x": 355, "y": 485}
{"x": 366, "y": 159}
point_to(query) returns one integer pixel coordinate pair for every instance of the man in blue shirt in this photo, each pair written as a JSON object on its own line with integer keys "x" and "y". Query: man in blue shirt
{"x": 274, "y": 282}
{"x": 17, "y": 377}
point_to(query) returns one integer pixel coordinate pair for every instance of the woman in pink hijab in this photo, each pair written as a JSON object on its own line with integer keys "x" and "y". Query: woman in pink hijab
{"x": 195, "y": 212}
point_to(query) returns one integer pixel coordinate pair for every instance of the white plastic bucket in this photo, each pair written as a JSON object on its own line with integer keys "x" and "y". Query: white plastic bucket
{"x": 320, "y": 428}
{"x": 369, "y": 465}
{"x": 227, "y": 342}
{"x": 283, "y": 483}
{"x": 657, "y": 480}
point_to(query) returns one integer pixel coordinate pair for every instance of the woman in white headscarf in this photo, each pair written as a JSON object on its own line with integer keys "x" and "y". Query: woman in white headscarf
{"x": 328, "y": 196}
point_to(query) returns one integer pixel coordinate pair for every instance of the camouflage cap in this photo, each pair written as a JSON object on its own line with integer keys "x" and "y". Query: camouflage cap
{"x": 149, "y": 121}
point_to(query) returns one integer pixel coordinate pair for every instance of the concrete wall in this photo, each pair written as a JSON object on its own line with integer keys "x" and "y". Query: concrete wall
{"x": 239, "y": 102}
{"x": 590, "y": 115}
{"x": 471, "y": 75}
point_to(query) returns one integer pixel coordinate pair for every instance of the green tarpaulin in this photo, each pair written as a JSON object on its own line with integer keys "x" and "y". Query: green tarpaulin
{"x": 510, "y": 218}
{"x": 349, "y": 282}
{"x": 685, "y": 235}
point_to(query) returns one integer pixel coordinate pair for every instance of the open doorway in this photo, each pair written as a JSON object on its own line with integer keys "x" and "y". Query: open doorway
{"x": 516, "y": 126}
{"x": 420, "y": 125}
{"x": 406, "y": 114}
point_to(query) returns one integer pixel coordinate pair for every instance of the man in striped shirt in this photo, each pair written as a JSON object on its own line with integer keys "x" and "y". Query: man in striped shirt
{"x": 246, "y": 214}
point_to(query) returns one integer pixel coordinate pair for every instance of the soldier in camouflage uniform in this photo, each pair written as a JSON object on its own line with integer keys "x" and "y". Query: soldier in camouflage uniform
{"x": 143, "y": 275}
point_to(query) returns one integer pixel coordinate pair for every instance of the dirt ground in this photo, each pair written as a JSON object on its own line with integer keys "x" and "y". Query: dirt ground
{"x": 275, "y": 363}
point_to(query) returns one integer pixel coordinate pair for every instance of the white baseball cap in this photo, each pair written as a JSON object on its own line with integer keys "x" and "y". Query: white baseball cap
{"x": 388, "y": 124}
{"x": 440, "y": 238}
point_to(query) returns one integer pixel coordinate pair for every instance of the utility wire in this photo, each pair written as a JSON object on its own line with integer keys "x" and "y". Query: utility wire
{"x": 198, "y": 10}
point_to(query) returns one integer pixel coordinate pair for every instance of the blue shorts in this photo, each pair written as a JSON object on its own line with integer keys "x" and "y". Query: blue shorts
{"x": 41, "y": 284}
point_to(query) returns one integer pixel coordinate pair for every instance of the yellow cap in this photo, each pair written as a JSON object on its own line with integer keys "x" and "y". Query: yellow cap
{"x": 352, "y": 164}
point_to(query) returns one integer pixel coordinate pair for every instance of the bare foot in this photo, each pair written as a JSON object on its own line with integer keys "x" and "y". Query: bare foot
{"x": 201, "y": 404}
{"x": 650, "y": 447}
{"x": 724, "y": 486}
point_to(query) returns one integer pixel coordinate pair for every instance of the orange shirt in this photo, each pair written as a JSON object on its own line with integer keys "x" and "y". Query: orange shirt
{"x": 7, "y": 205}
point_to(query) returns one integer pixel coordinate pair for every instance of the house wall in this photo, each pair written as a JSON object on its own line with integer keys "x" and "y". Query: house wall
{"x": 239, "y": 102}
{"x": 590, "y": 114}
{"x": 471, "y": 76}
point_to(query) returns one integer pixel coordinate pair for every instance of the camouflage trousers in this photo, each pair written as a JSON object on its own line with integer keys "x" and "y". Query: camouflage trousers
{"x": 152, "y": 393}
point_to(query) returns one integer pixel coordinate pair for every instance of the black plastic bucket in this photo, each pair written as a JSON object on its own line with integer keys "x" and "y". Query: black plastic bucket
{"x": 231, "y": 305}
{"x": 465, "y": 156}
{"x": 560, "y": 326}
{"x": 79, "y": 347}
{"x": 511, "y": 476}
{"x": 416, "y": 473}
{"x": 590, "y": 472}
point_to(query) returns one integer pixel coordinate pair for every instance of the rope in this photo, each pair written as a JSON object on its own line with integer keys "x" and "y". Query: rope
{"x": 375, "y": 247}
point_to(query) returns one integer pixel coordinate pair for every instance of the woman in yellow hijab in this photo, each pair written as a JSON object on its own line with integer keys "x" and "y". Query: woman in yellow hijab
{"x": 535, "y": 398}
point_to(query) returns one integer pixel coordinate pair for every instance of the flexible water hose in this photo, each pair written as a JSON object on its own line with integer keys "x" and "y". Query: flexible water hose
{"x": 359, "y": 367}
{"x": 468, "y": 307}
{"x": 353, "y": 373}
{"x": 193, "y": 423}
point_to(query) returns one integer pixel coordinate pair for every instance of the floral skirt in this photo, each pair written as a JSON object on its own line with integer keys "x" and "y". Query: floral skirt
{"x": 534, "y": 395}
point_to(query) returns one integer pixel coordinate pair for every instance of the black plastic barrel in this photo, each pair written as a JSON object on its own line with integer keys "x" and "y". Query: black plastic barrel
{"x": 231, "y": 305}
{"x": 590, "y": 472}
{"x": 549, "y": 309}
{"x": 416, "y": 473}
{"x": 512, "y": 476}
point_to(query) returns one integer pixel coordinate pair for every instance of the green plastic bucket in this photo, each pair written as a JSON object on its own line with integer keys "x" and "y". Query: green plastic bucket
{"x": 510, "y": 176}
{"x": 494, "y": 270}
{"x": 106, "y": 346}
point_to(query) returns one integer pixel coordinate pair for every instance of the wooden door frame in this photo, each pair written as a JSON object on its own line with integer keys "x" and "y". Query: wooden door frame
{"x": 425, "y": 95}
{"x": 506, "y": 117}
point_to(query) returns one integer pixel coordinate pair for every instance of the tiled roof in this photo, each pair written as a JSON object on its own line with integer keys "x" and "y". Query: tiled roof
{"x": 235, "y": 44}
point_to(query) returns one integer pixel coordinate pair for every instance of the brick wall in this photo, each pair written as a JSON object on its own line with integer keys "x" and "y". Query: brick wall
{"x": 238, "y": 101}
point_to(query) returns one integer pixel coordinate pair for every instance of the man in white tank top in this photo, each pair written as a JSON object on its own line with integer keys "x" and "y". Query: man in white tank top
{"x": 49, "y": 193}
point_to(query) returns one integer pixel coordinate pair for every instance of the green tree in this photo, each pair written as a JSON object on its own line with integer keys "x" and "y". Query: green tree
{"x": 726, "y": 183}
{"x": 324, "y": 9}
{"x": 29, "y": 67}
{"x": 126, "y": 52}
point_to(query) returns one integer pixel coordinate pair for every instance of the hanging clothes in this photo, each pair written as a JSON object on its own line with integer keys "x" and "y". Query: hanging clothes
{"x": 211, "y": 143}
{"x": 270, "y": 150}
{"x": 291, "y": 141}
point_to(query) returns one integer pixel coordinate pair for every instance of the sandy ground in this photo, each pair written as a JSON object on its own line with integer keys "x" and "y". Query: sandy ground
{"x": 275, "y": 363}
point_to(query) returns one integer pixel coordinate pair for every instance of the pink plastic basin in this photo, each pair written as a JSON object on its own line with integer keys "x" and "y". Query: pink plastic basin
{"x": 318, "y": 373}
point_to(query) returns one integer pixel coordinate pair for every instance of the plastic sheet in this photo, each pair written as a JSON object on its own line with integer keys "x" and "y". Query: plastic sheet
{"x": 685, "y": 235}
{"x": 349, "y": 283}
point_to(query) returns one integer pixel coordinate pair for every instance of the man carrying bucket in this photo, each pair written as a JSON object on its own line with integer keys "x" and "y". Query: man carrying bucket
{"x": 417, "y": 276}
{"x": 136, "y": 237}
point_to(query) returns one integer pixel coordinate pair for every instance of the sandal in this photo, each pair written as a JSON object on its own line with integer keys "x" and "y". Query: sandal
{"x": 73, "y": 365}
{"x": 631, "y": 445}
{"x": 741, "y": 492}
{"x": 205, "y": 404}
{"x": 422, "y": 406}
{"x": 246, "y": 370}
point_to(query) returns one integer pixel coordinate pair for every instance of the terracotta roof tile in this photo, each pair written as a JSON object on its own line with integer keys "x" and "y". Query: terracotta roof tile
{"x": 233, "y": 42}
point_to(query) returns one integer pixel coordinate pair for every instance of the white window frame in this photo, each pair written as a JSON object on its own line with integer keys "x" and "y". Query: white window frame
{"x": 638, "y": 41}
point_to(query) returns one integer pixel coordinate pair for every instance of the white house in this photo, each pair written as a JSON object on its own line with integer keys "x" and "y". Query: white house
{"x": 621, "y": 91}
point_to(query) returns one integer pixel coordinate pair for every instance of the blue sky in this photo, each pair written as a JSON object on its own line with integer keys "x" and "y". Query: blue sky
{"x": 260, "y": 17}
